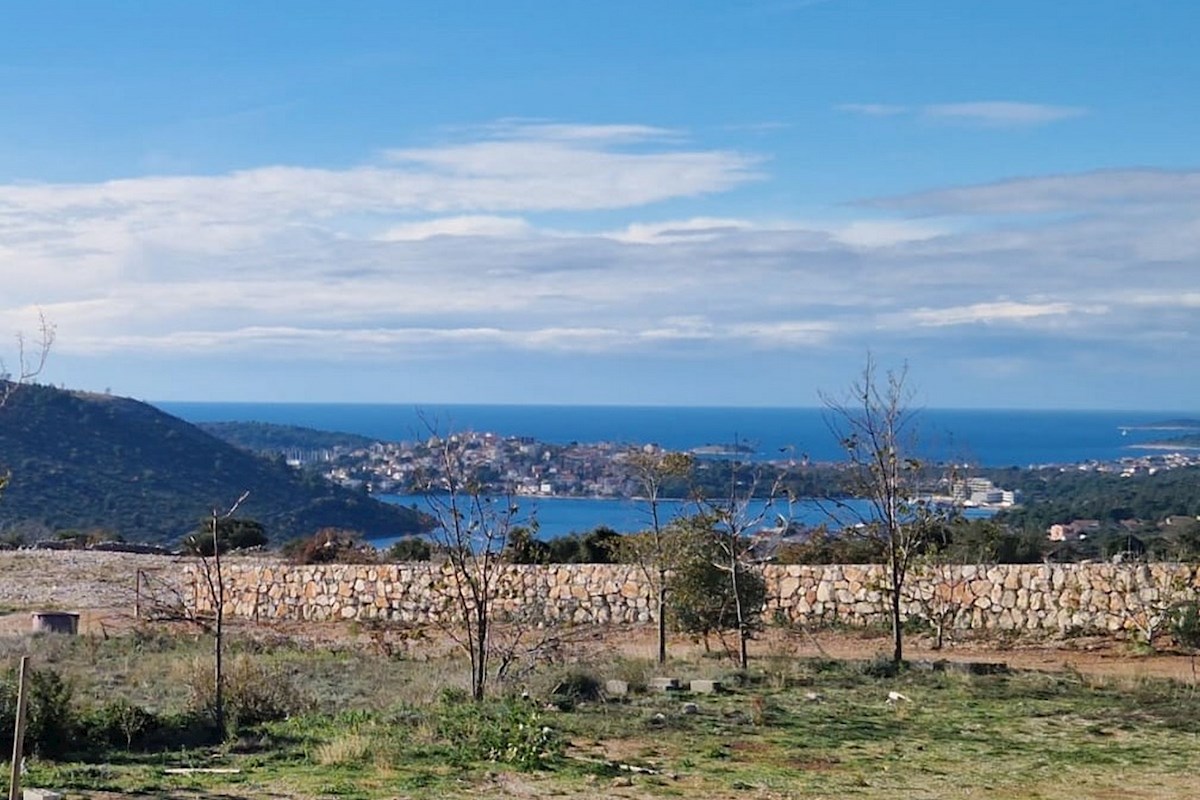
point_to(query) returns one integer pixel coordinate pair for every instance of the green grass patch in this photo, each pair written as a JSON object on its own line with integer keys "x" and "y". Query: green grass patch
{"x": 372, "y": 726}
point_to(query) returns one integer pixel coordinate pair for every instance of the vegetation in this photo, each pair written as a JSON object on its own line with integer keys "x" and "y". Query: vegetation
{"x": 231, "y": 534}
{"x": 85, "y": 461}
{"x": 267, "y": 438}
{"x": 1052, "y": 496}
{"x": 874, "y": 424}
{"x": 368, "y": 724}
{"x": 706, "y": 600}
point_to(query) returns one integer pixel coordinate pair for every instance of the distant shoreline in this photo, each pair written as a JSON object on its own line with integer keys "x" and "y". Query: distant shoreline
{"x": 1163, "y": 446}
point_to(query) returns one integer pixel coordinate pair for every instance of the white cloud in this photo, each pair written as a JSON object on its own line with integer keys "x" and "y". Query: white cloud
{"x": 692, "y": 230}
{"x": 873, "y": 109}
{"x": 442, "y": 254}
{"x": 1119, "y": 190}
{"x": 977, "y": 313}
{"x": 884, "y": 233}
{"x": 986, "y": 113}
{"x": 1001, "y": 113}
{"x": 532, "y": 130}
{"x": 479, "y": 225}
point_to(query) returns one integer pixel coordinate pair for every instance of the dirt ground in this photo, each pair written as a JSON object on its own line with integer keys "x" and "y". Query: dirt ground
{"x": 1099, "y": 656}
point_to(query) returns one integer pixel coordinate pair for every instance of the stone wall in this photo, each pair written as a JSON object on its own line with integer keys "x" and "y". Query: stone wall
{"x": 1041, "y": 598}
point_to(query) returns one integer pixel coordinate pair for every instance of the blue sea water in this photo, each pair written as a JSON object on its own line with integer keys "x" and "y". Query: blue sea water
{"x": 993, "y": 438}
{"x": 989, "y": 438}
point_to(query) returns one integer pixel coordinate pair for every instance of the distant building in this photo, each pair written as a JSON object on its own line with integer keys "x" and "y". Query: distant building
{"x": 1070, "y": 531}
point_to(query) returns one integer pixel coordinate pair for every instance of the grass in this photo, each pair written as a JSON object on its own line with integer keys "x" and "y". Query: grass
{"x": 379, "y": 726}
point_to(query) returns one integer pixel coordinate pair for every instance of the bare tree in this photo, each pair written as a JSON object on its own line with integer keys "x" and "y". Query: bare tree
{"x": 661, "y": 547}
{"x": 473, "y": 528}
{"x": 214, "y": 581}
{"x": 31, "y": 359}
{"x": 734, "y": 519}
{"x": 874, "y": 423}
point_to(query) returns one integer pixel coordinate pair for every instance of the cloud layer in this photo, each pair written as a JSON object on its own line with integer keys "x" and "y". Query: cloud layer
{"x": 445, "y": 250}
{"x": 986, "y": 113}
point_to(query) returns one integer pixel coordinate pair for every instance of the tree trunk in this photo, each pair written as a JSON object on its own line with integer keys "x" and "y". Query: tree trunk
{"x": 662, "y": 617}
{"x": 897, "y": 632}
{"x": 219, "y": 636}
{"x": 743, "y": 655}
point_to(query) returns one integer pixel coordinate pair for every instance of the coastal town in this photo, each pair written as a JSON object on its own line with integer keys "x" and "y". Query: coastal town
{"x": 529, "y": 467}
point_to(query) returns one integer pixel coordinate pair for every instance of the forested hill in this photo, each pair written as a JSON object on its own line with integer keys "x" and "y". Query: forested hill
{"x": 266, "y": 437}
{"x": 84, "y": 461}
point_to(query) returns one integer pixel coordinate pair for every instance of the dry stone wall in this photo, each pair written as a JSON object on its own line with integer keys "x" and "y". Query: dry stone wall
{"x": 1043, "y": 598}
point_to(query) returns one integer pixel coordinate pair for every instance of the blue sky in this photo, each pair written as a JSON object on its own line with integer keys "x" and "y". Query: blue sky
{"x": 719, "y": 203}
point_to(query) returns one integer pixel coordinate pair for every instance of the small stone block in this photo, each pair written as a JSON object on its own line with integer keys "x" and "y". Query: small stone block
{"x": 615, "y": 688}
{"x": 705, "y": 686}
{"x": 40, "y": 794}
{"x": 664, "y": 684}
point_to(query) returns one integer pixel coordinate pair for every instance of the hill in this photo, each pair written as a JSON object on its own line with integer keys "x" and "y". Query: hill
{"x": 270, "y": 438}
{"x": 82, "y": 461}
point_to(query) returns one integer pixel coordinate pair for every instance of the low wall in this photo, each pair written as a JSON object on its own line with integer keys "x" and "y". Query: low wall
{"x": 1038, "y": 598}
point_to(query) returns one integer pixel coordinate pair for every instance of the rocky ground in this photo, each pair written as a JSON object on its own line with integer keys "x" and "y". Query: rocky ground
{"x": 102, "y": 588}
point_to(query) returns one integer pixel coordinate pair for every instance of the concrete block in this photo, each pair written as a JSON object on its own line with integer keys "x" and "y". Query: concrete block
{"x": 704, "y": 686}
{"x": 664, "y": 684}
{"x": 40, "y": 794}
{"x": 615, "y": 688}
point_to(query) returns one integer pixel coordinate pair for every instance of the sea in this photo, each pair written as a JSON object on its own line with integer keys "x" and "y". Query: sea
{"x": 991, "y": 437}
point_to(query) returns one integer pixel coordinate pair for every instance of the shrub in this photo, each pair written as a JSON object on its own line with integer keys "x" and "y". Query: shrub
{"x": 253, "y": 692}
{"x": 703, "y": 599}
{"x": 508, "y": 732}
{"x": 232, "y": 534}
{"x": 118, "y": 723}
{"x": 1184, "y": 624}
{"x": 410, "y": 548}
{"x": 332, "y": 545}
{"x": 575, "y": 686}
{"x": 50, "y": 718}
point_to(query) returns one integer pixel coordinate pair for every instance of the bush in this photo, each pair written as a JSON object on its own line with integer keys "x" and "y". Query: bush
{"x": 575, "y": 686}
{"x": 1184, "y": 624}
{"x": 703, "y": 601}
{"x": 410, "y": 548}
{"x": 253, "y": 692}
{"x": 329, "y": 546}
{"x": 50, "y": 718}
{"x": 232, "y": 534}
{"x": 118, "y": 723}
{"x": 509, "y": 732}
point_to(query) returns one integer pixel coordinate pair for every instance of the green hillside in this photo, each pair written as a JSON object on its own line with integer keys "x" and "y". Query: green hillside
{"x": 267, "y": 437}
{"x": 82, "y": 461}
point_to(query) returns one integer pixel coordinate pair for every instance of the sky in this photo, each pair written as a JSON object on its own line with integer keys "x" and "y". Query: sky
{"x": 568, "y": 202}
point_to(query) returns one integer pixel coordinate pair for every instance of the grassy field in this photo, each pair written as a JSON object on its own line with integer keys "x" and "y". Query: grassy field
{"x": 365, "y": 724}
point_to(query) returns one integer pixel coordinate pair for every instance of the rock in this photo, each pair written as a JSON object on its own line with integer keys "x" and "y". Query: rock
{"x": 689, "y": 708}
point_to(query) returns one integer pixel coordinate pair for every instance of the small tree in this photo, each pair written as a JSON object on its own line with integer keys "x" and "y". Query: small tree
{"x": 31, "y": 359}
{"x": 705, "y": 598}
{"x": 473, "y": 530}
{"x": 214, "y": 581}
{"x": 29, "y": 366}
{"x": 734, "y": 521}
{"x": 662, "y": 546}
{"x": 874, "y": 425}
{"x": 230, "y": 534}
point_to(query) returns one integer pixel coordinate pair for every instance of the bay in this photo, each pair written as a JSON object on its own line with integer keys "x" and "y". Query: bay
{"x": 563, "y": 516}
{"x": 994, "y": 438}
